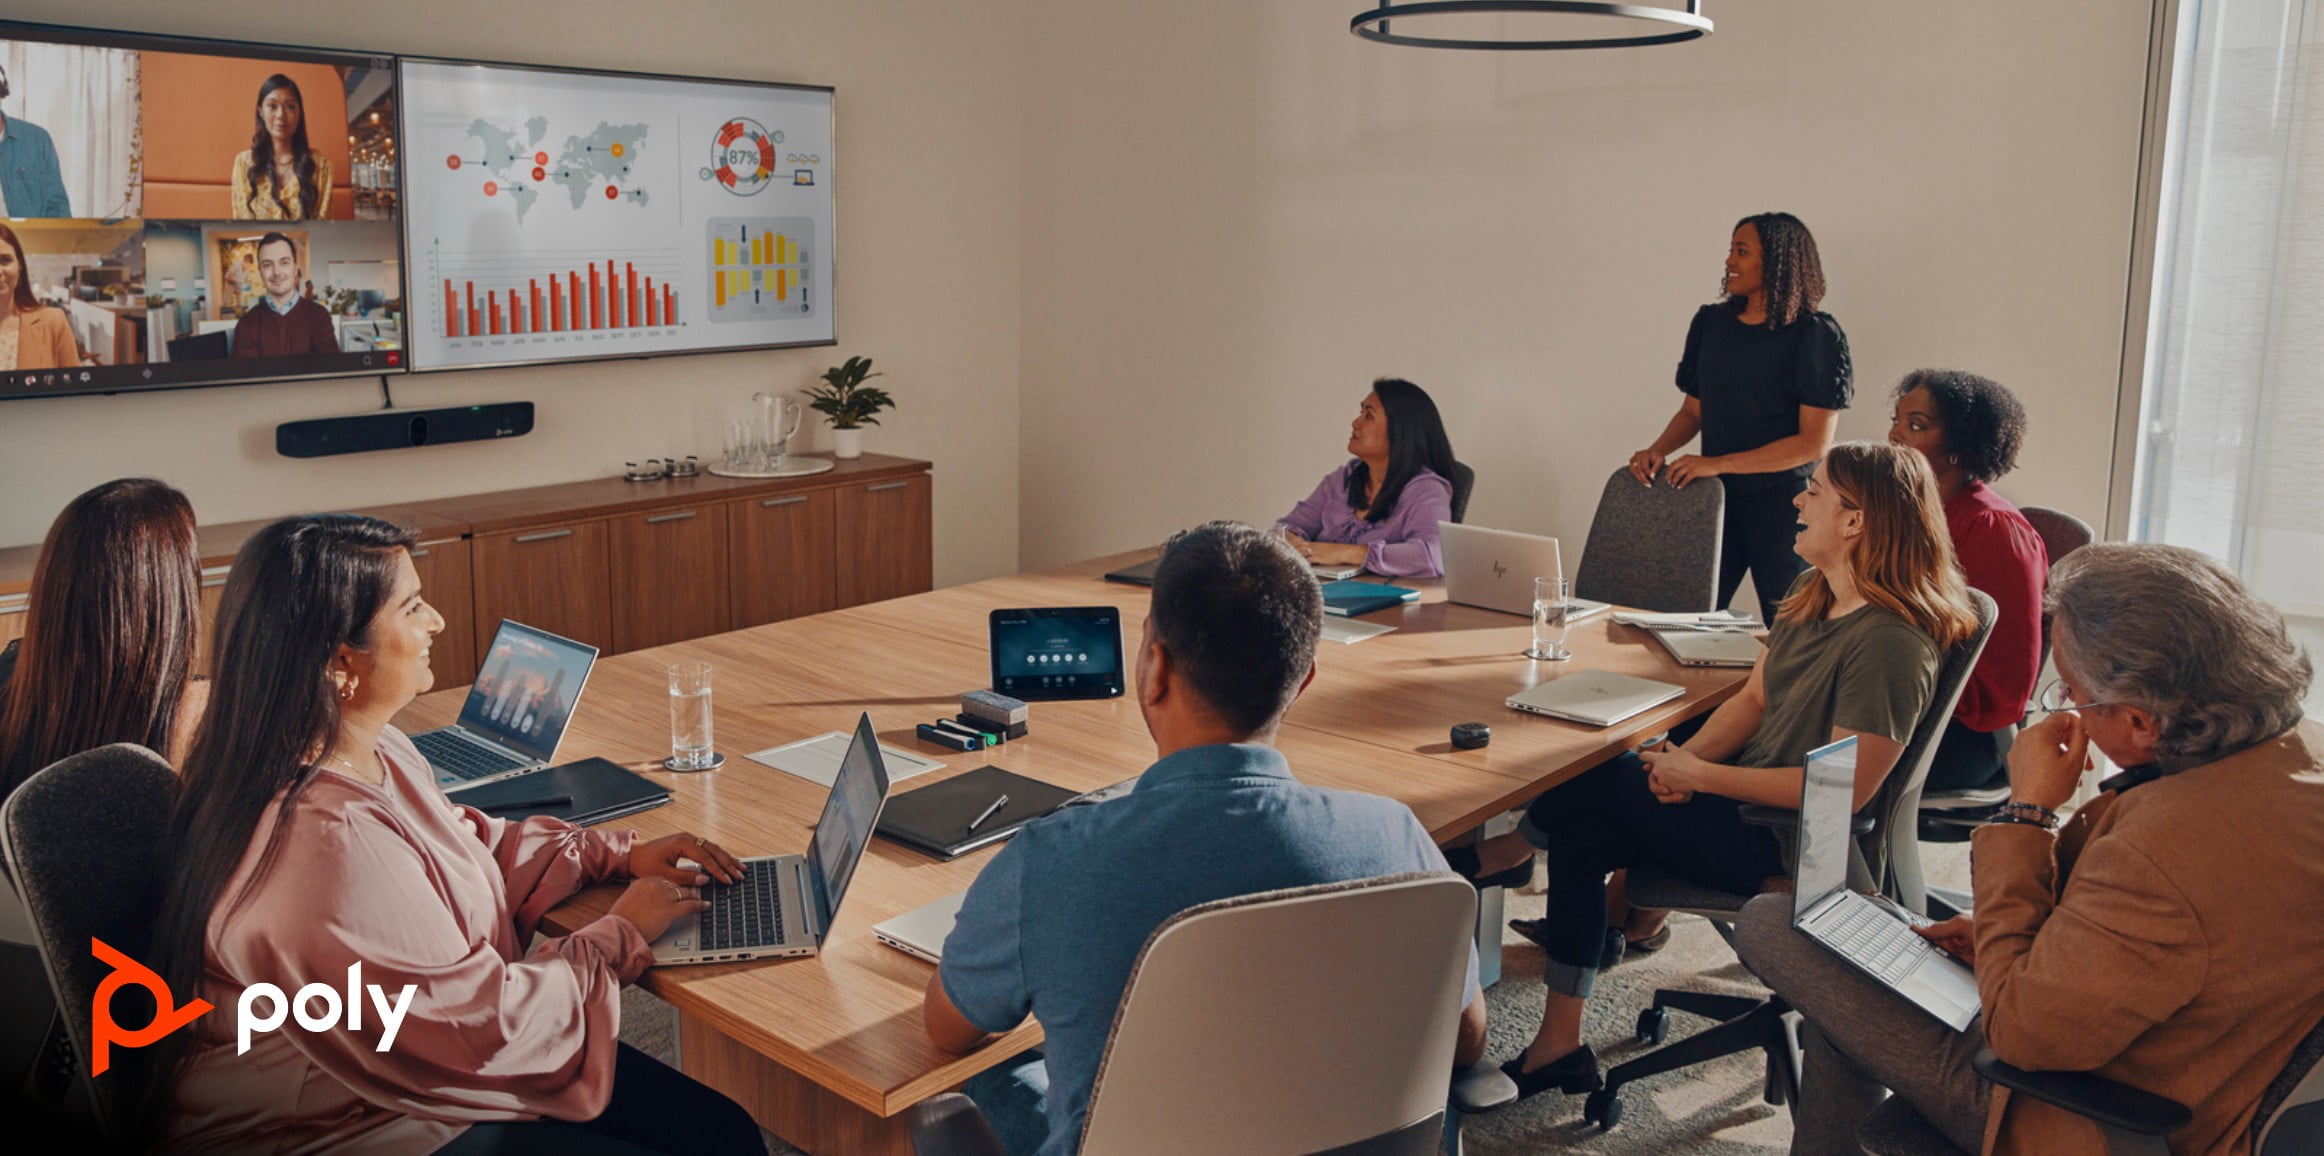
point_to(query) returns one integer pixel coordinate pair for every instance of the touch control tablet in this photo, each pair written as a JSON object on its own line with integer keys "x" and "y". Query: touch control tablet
{"x": 1052, "y": 653}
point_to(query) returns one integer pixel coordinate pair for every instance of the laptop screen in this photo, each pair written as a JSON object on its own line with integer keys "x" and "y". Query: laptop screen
{"x": 525, "y": 693}
{"x": 1827, "y": 799}
{"x": 849, "y": 815}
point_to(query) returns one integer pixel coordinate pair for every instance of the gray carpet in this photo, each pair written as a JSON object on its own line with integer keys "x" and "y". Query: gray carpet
{"x": 1713, "y": 1109}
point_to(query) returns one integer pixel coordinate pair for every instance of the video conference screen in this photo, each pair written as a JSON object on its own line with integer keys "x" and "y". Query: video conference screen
{"x": 180, "y": 213}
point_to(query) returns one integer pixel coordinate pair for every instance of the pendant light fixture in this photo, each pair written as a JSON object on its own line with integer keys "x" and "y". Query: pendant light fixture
{"x": 1655, "y": 25}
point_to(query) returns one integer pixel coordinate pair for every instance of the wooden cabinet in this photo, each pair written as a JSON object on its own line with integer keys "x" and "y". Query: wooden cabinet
{"x": 669, "y": 576}
{"x": 780, "y": 557}
{"x": 554, "y": 578}
{"x": 445, "y": 581}
{"x": 12, "y": 607}
{"x": 206, "y": 624}
{"x": 886, "y": 539}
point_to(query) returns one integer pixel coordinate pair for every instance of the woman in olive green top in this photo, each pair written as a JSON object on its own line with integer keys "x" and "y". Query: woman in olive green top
{"x": 1854, "y": 651}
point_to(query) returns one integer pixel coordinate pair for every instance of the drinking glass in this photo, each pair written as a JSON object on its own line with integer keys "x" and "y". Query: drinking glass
{"x": 691, "y": 746}
{"x": 1551, "y": 602}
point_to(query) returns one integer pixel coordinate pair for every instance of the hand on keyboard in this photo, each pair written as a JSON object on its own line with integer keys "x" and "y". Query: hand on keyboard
{"x": 1956, "y": 937}
{"x": 652, "y": 905}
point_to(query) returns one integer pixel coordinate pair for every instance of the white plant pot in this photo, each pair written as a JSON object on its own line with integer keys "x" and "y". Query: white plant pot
{"x": 847, "y": 443}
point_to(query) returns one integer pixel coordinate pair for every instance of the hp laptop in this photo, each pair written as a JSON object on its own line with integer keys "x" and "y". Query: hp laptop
{"x": 1495, "y": 569}
{"x": 1599, "y": 698}
{"x": 1708, "y": 646}
{"x": 920, "y": 932}
{"x": 784, "y": 904}
{"x": 516, "y": 712}
{"x": 1870, "y": 933}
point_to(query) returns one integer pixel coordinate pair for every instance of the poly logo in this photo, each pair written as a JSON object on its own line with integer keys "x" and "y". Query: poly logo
{"x": 317, "y": 1008}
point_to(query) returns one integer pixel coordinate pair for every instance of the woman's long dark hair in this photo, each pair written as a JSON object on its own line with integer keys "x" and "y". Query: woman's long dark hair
{"x": 1416, "y": 440}
{"x": 24, "y": 297}
{"x": 109, "y": 630}
{"x": 301, "y": 589}
{"x": 262, "y": 150}
{"x": 1789, "y": 268}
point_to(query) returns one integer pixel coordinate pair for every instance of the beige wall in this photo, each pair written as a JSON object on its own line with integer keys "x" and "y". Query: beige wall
{"x": 1236, "y": 215}
{"x": 927, "y": 259}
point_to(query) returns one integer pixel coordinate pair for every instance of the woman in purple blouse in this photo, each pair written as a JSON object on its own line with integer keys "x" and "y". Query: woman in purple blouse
{"x": 1381, "y": 509}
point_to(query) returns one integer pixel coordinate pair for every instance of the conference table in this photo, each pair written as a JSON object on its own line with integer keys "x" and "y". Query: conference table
{"x": 828, "y": 1051}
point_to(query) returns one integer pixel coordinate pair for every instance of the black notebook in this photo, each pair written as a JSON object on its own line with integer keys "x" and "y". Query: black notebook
{"x": 936, "y": 819}
{"x": 587, "y": 792}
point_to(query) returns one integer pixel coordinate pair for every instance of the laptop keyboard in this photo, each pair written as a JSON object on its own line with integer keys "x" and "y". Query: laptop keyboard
{"x": 1874, "y": 940}
{"x": 451, "y": 755}
{"x": 746, "y": 913}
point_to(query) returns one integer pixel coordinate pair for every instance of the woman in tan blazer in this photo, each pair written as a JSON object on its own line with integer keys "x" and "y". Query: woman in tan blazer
{"x": 2165, "y": 938}
{"x": 32, "y": 335}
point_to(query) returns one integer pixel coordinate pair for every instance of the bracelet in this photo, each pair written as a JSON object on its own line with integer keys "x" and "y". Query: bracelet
{"x": 2033, "y": 811}
{"x": 2007, "y": 819}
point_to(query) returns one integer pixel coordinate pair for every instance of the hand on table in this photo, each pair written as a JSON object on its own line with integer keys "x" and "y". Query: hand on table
{"x": 1336, "y": 553}
{"x": 1692, "y": 466}
{"x": 1956, "y": 937}
{"x": 2047, "y": 761}
{"x": 658, "y": 859}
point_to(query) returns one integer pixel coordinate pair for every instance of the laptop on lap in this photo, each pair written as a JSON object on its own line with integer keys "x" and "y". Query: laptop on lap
{"x": 1870, "y": 933}
{"x": 516, "y": 712}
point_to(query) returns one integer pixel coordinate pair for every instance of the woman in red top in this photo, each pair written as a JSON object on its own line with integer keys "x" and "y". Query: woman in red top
{"x": 1970, "y": 428}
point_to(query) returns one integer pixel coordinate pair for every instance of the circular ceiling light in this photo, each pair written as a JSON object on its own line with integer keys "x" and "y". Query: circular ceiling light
{"x": 1691, "y": 23}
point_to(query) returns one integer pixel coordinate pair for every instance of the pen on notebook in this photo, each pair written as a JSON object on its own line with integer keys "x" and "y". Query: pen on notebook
{"x": 522, "y": 804}
{"x": 973, "y": 824}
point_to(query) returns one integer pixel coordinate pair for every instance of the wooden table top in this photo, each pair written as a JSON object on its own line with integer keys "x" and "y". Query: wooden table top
{"x": 1375, "y": 719}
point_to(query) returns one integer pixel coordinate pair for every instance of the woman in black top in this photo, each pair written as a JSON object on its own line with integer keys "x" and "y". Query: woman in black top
{"x": 1765, "y": 378}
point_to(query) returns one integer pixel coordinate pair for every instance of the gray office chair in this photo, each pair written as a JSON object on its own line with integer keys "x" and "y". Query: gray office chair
{"x": 1885, "y": 858}
{"x": 84, "y": 844}
{"x": 2289, "y": 1122}
{"x": 1281, "y": 1022}
{"x": 1464, "y": 483}
{"x": 1654, "y": 548}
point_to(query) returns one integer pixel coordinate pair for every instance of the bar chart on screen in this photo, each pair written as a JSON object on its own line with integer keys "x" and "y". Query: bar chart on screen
{"x": 488, "y": 306}
{"x": 760, "y": 268}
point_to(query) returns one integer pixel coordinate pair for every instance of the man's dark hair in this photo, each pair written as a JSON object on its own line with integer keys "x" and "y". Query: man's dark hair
{"x": 276, "y": 238}
{"x": 1984, "y": 424}
{"x": 1239, "y": 612}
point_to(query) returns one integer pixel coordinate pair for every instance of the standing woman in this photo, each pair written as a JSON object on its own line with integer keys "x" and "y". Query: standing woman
{"x": 278, "y": 178}
{"x": 1380, "y": 510}
{"x": 1765, "y": 377}
{"x": 32, "y": 335}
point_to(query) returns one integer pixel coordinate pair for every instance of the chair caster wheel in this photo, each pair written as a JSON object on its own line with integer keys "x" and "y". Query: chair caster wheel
{"x": 1653, "y": 1026}
{"x": 1602, "y": 1109}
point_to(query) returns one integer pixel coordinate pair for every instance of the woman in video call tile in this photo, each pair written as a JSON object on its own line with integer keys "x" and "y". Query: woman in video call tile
{"x": 278, "y": 178}
{"x": 32, "y": 335}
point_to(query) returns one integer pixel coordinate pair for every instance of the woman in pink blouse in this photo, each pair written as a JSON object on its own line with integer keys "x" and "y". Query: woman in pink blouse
{"x": 1380, "y": 510}
{"x": 309, "y": 837}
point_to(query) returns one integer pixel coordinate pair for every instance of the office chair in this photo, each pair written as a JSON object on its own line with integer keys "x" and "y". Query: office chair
{"x": 1654, "y": 548}
{"x": 2289, "y": 1122}
{"x": 1464, "y": 482}
{"x": 84, "y": 843}
{"x": 1308, "y": 1020}
{"x": 1885, "y": 858}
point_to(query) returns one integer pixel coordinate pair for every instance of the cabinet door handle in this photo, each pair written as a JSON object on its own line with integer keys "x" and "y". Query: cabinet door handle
{"x": 15, "y": 604}
{"x": 419, "y": 551}
{"x": 887, "y": 486}
{"x": 793, "y": 500}
{"x": 658, "y": 519}
{"x": 214, "y": 576}
{"x": 545, "y": 535}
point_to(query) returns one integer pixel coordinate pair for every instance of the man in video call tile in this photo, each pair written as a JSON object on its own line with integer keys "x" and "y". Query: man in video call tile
{"x": 283, "y": 323}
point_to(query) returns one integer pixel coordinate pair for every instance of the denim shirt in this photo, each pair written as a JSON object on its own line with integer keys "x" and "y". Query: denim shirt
{"x": 31, "y": 181}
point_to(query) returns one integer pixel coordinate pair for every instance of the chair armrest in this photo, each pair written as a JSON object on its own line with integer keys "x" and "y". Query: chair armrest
{"x": 1787, "y": 819}
{"x": 952, "y": 1125}
{"x": 2114, "y": 1104}
{"x": 1482, "y": 1087}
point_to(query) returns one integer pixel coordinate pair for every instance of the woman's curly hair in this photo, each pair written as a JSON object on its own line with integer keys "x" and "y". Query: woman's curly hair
{"x": 1984, "y": 424}
{"x": 1789, "y": 268}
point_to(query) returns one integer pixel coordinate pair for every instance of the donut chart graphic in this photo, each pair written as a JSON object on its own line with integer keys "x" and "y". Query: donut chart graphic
{"x": 742, "y": 157}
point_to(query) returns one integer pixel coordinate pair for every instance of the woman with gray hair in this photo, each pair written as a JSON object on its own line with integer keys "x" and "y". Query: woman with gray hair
{"x": 2165, "y": 937}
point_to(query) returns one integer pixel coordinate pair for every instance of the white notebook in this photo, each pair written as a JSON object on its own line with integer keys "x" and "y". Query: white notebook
{"x": 1598, "y": 698}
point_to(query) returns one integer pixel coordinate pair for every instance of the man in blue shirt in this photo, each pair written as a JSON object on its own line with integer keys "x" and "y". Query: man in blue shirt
{"x": 1053, "y": 924}
{"x": 32, "y": 184}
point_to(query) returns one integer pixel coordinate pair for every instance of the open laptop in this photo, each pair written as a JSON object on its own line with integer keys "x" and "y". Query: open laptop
{"x": 1708, "y": 646}
{"x": 1495, "y": 569}
{"x": 516, "y": 712}
{"x": 1870, "y": 933}
{"x": 1598, "y": 698}
{"x": 785, "y": 904}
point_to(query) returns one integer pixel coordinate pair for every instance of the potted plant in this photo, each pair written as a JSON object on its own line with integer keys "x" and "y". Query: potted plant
{"x": 849, "y": 403}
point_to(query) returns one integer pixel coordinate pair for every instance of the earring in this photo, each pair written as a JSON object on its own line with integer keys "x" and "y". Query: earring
{"x": 347, "y": 690}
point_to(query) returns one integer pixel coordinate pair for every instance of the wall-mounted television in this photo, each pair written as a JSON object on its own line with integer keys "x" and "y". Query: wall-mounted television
{"x": 203, "y": 212}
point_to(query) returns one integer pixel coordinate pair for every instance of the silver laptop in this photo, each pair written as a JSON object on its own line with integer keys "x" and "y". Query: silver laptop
{"x": 920, "y": 932}
{"x": 1699, "y": 646}
{"x": 516, "y": 712}
{"x": 1495, "y": 569}
{"x": 1870, "y": 933}
{"x": 785, "y": 904}
{"x": 1599, "y": 698}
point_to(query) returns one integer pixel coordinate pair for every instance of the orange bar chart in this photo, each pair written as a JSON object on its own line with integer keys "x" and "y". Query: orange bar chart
{"x": 619, "y": 297}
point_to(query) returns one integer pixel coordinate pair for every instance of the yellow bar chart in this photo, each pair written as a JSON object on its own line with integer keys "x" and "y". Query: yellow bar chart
{"x": 760, "y": 268}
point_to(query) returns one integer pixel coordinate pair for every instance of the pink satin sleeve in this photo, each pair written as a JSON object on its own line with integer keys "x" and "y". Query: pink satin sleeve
{"x": 546, "y": 860}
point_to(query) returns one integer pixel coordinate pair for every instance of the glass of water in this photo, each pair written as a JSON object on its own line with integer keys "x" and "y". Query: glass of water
{"x": 691, "y": 745}
{"x": 1551, "y": 603}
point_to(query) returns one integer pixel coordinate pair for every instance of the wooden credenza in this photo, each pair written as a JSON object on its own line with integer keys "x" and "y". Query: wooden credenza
{"x": 624, "y": 566}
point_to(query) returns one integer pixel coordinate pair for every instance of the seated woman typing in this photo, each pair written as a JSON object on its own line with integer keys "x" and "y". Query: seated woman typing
{"x": 1969, "y": 428}
{"x": 2165, "y": 937}
{"x": 1854, "y": 651}
{"x": 1380, "y": 510}
{"x": 309, "y": 837}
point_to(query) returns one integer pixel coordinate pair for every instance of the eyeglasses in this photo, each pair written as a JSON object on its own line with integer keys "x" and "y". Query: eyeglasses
{"x": 2055, "y": 698}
